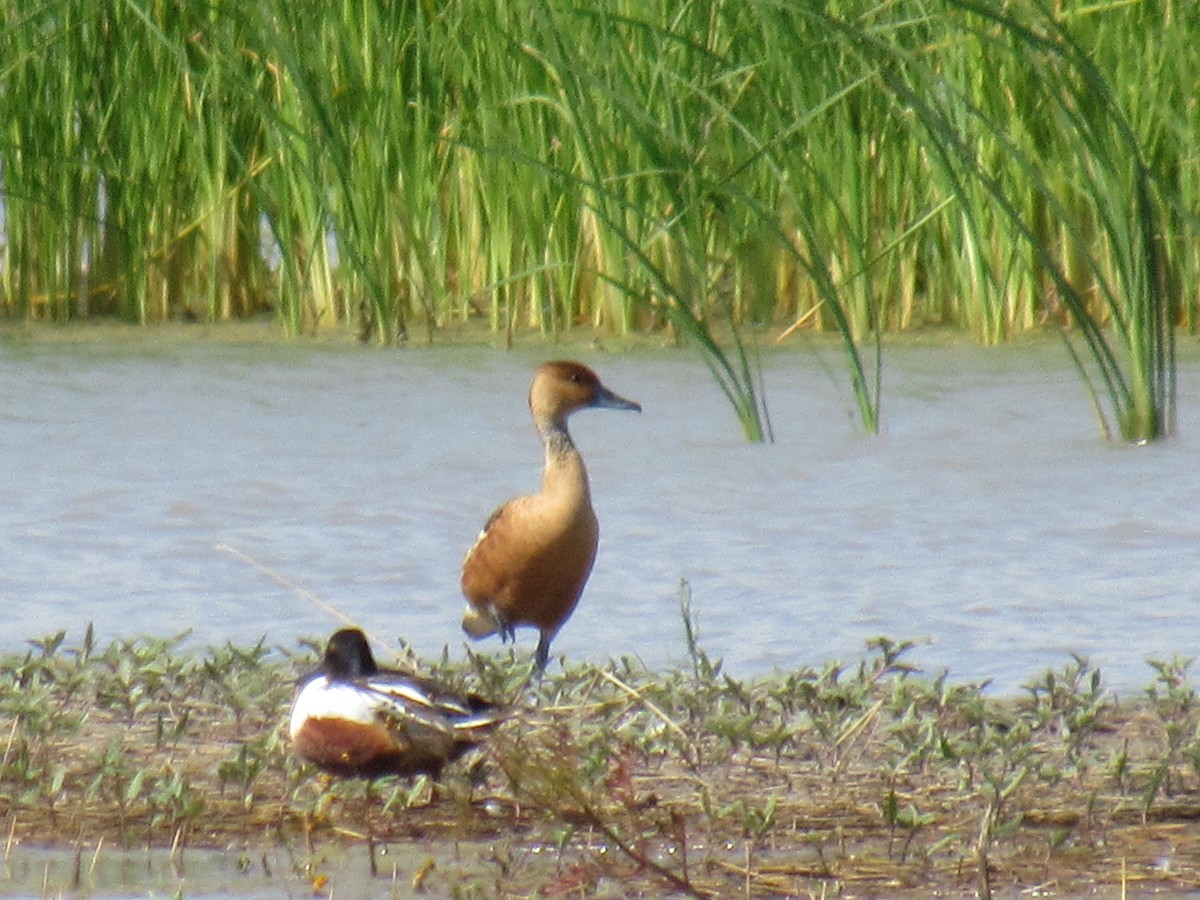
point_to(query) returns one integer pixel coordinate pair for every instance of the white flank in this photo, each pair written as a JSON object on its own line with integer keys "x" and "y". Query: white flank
{"x": 370, "y": 700}
{"x": 321, "y": 698}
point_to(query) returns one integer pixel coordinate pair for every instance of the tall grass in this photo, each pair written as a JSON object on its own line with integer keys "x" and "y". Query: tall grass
{"x": 723, "y": 171}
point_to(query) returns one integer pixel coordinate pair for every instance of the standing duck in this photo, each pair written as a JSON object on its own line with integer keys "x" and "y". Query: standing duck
{"x": 534, "y": 555}
{"x": 352, "y": 718}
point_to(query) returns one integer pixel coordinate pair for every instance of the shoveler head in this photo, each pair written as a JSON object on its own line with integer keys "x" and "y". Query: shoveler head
{"x": 352, "y": 718}
{"x": 348, "y": 655}
{"x": 561, "y": 387}
{"x": 533, "y": 557}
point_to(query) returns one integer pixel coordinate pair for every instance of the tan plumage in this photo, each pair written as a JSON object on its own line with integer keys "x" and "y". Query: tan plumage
{"x": 535, "y": 553}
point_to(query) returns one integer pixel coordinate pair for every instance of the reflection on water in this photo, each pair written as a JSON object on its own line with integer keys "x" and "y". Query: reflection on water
{"x": 404, "y": 869}
{"x": 988, "y": 517}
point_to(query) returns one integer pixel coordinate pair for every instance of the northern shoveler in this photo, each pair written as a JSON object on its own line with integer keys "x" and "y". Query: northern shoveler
{"x": 534, "y": 555}
{"x": 352, "y": 718}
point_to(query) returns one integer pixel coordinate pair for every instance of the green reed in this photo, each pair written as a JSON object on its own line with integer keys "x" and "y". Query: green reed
{"x": 720, "y": 170}
{"x": 1056, "y": 219}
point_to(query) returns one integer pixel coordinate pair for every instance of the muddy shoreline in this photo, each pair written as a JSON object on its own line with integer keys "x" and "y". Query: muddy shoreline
{"x": 860, "y": 780}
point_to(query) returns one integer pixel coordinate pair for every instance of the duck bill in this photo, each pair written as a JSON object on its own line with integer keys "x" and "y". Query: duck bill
{"x": 606, "y": 399}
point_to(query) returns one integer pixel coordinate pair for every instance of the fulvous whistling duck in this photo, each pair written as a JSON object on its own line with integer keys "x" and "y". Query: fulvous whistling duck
{"x": 534, "y": 555}
{"x": 354, "y": 719}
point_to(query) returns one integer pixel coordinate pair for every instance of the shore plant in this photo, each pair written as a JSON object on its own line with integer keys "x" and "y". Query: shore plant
{"x": 840, "y": 777}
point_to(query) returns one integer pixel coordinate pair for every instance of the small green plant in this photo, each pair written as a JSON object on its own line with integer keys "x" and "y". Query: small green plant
{"x": 1173, "y": 699}
{"x": 690, "y": 780}
{"x": 904, "y": 819}
{"x": 173, "y": 801}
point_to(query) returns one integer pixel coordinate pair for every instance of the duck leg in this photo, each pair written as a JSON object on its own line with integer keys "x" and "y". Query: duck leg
{"x": 542, "y": 655}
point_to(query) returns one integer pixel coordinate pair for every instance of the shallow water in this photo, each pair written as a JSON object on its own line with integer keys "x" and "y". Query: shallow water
{"x": 407, "y": 869}
{"x": 988, "y": 517}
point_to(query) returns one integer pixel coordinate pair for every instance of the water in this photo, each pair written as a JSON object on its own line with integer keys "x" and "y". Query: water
{"x": 411, "y": 868}
{"x": 988, "y": 518}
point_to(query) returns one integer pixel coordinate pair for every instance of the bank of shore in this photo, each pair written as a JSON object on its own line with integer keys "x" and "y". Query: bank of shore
{"x": 858, "y": 780}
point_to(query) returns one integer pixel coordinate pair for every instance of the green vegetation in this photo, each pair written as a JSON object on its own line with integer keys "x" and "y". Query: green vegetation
{"x": 856, "y": 166}
{"x": 861, "y": 777}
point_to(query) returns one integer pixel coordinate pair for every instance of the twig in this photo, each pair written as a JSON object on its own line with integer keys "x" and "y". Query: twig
{"x": 96, "y": 857}
{"x": 77, "y": 865}
{"x": 299, "y": 591}
{"x": 12, "y": 733}
{"x": 683, "y": 884}
{"x": 176, "y": 855}
{"x": 8, "y": 844}
{"x": 649, "y": 704}
{"x": 852, "y": 731}
{"x": 799, "y": 323}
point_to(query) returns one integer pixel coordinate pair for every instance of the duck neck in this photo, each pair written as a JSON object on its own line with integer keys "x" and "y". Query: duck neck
{"x": 564, "y": 473}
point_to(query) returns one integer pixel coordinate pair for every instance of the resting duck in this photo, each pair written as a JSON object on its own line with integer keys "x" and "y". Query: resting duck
{"x": 354, "y": 719}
